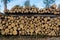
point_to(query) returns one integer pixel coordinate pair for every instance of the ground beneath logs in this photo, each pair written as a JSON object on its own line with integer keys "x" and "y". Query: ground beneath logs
{"x": 27, "y": 38}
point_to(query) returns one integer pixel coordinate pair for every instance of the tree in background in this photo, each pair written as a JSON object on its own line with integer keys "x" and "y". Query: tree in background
{"x": 59, "y": 6}
{"x": 27, "y": 3}
{"x": 48, "y": 3}
{"x": 34, "y": 5}
{"x": 5, "y": 3}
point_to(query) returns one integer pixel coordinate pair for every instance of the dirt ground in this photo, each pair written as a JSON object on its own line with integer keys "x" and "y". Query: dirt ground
{"x": 27, "y": 38}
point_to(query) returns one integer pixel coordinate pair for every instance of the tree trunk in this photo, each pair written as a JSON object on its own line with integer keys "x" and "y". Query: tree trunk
{"x": 47, "y": 5}
{"x": 5, "y": 5}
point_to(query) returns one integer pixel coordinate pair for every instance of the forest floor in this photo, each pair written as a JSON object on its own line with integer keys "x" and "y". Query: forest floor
{"x": 27, "y": 38}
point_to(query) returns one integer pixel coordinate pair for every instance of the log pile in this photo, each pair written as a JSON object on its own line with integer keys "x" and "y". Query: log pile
{"x": 17, "y": 9}
{"x": 25, "y": 25}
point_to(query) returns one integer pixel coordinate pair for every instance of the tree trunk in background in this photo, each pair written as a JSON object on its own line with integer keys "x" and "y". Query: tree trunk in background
{"x": 47, "y": 4}
{"x": 5, "y": 5}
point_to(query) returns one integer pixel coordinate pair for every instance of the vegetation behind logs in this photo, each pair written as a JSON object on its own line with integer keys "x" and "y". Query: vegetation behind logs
{"x": 18, "y": 9}
{"x": 25, "y": 25}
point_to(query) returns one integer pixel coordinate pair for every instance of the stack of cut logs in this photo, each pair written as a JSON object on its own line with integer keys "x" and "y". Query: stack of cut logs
{"x": 25, "y": 25}
{"x": 17, "y": 9}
